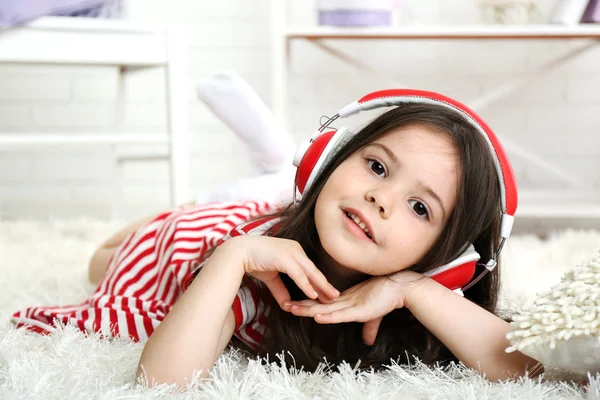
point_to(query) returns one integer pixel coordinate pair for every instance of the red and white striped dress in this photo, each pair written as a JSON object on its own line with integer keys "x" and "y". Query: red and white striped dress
{"x": 152, "y": 268}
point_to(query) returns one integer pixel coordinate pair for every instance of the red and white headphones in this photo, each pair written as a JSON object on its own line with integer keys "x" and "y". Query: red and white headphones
{"x": 311, "y": 155}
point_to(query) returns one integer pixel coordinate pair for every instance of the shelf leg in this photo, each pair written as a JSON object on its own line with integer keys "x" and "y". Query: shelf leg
{"x": 280, "y": 59}
{"x": 116, "y": 210}
{"x": 177, "y": 117}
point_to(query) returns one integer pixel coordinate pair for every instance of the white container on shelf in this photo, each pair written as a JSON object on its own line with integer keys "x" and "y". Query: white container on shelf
{"x": 516, "y": 12}
{"x": 568, "y": 12}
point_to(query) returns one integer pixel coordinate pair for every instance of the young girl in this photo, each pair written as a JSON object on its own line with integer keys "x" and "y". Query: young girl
{"x": 394, "y": 217}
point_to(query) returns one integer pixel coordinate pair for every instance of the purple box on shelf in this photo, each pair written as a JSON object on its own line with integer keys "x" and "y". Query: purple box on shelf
{"x": 355, "y": 12}
{"x": 592, "y": 13}
{"x": 355, "y": 17}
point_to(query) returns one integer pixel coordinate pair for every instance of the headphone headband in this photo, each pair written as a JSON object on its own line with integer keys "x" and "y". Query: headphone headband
{"x": 395, "y": 97}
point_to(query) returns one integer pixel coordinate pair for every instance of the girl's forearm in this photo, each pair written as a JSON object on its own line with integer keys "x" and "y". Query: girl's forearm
{"x": 196, "y": 330}
{"x": 475, "y": 336}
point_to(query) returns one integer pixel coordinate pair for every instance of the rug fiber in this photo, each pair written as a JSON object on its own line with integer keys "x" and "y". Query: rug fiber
{"x": 45, "y": 263}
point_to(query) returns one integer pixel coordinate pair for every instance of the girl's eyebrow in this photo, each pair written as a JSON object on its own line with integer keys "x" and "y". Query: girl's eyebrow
{"x": 396, "y": 161}
{"x": 390, "y": 153}
{"x": 430, "y": 191}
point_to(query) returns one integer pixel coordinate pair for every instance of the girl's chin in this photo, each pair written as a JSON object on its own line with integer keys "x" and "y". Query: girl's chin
{"x": 348, "y": 272}
{"x": 343, "y": 267}
{"x": 342, "y": 255}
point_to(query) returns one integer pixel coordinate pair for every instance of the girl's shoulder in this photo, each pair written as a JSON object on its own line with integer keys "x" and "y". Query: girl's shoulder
{"x": 230, "y": 219}
{"x": 211, "y": 221}
{"x": 263, "y": 225}
{"x": 227, "y": 212}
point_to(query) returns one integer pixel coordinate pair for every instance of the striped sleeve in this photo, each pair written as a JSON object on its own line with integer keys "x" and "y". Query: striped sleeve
{"x": 250, "y": 312}
{"x": 249, "y": 308}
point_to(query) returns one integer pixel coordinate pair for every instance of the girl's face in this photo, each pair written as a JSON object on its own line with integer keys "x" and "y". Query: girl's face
{"x": 383, "y": 208}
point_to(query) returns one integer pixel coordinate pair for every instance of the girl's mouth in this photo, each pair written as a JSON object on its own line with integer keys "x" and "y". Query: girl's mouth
{"x": 357, "y": 226}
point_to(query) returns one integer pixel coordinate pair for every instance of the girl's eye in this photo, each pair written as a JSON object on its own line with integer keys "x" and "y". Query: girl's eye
{"x": 377, "y": 167}
{"x": 419, "y": 208}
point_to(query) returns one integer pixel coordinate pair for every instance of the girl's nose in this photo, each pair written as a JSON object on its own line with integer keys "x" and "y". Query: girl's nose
{"x": 381, "y": 200}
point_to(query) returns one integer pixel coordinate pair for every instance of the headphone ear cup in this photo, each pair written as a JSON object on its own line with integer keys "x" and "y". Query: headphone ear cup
{"x": 457, "y": 273}
{"x": 311, "y": 161}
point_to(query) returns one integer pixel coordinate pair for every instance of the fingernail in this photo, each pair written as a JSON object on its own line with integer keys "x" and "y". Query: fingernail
{"x": 287, "y": 303}
{"x": 337, "y": 292}
{"x": 315, "y": 294}
{"x": 295, "y": 307}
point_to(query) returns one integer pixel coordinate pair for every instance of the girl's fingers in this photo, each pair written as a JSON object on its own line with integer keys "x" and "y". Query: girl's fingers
{"x": 278, "y": 290}
{"x": 348, "y": 314}
{"x": 370, "y": 329}
{"x": 323, "y": 299}
{"x": 311, "y": 311}
{"x": 317, "y": 277}
{"x": 296, "y": 272}
{"x": 308, "y": 302}
{"x": 311, "y": 302}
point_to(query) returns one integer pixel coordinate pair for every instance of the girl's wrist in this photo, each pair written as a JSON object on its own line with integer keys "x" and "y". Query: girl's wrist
{"x": 410, "y": 287}
{"x": 230, "y": 255}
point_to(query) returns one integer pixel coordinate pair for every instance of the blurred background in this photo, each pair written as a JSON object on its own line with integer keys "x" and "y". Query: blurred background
{"x": 285, "y": 51}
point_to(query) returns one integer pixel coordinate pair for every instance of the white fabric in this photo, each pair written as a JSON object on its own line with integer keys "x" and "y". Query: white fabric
{"x": 270, "y": 148}
{"x": 274, "y": 188}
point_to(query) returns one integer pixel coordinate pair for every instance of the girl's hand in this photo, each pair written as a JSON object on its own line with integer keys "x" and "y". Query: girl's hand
{"x": 368, "y": 302}
{"x": 265, "y": 257}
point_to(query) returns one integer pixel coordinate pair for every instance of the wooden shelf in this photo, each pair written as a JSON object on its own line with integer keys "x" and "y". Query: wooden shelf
{"x": 86, "y": 24}
{"x": 85, "y": 41}
{"x": 466, "y": 32}
{"x": 42, "y": 139}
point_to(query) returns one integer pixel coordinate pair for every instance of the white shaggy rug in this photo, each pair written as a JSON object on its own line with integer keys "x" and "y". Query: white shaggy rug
{"x": 46, "y": 263}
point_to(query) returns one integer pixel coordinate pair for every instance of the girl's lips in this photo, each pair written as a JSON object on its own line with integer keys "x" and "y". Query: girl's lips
{"x": 363, "y": 219}
{"x": 355, "y": 229}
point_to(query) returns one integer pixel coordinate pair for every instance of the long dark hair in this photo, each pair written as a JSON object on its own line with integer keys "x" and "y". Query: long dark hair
{"x": 475, "y": 219}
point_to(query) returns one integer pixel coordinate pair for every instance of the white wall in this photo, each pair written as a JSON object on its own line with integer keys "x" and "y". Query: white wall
{"x": 558, "y": 117}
